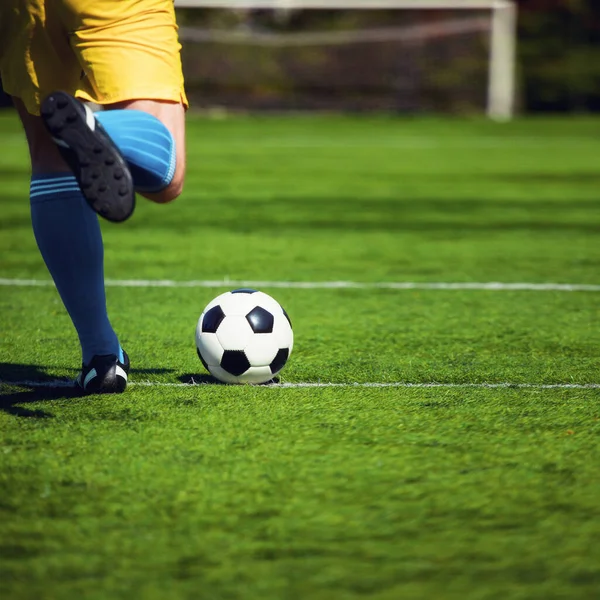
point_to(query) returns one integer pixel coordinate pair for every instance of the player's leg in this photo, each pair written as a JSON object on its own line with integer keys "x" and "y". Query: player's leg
{"x": 70, "y": 241}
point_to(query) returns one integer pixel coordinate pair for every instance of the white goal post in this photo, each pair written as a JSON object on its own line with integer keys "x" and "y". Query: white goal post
{"x": 501, "y": 80}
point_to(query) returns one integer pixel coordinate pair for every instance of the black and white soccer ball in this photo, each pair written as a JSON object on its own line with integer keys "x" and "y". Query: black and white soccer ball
{"x": 244, "y": 336}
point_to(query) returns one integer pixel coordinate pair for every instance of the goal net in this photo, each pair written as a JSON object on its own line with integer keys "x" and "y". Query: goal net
{"x": 405, "y": 56}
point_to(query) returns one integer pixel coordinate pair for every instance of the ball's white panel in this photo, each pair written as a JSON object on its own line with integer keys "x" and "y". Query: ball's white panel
{"x": 256, "y": 375}
{"x": 283, "y": 333}
{"x": 209, "y": 346}
{"x": 262, "y": 349}
{"x": 234, "y": 333}
{"x": 223, "y": 375}
{"x": 238, "y": 304}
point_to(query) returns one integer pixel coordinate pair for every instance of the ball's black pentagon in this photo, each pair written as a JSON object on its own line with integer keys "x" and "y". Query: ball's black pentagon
{"x": 202, "y": 360}
{"x": 244, "y": 291}
{"x": 261, "y": 320}
{"x": 212, "y": 319}
{"x": 235, "y": 362}
{"x": 279, "y": 360}
{"x": 287, "y": 317}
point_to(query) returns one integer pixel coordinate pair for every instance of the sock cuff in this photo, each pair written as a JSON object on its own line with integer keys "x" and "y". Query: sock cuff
{"x": 53, "y": 186}
{"x": 172, "y": 164}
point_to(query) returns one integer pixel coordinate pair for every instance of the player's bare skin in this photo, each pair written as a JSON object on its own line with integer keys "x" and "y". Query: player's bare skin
{"x": 45, "y": 157}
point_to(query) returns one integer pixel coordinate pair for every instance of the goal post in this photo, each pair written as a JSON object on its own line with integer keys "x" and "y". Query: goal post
{"x": 502, "y": 54}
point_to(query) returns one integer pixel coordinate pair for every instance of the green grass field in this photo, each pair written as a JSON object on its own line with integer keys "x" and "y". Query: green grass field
{"x": 459, "y": 491}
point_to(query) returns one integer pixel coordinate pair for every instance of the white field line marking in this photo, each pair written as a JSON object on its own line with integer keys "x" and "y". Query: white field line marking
{"x": 495, "y": 286}
{"x": 60, "y": 383}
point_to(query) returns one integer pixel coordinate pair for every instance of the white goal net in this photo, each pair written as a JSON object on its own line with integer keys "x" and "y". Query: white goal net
{"x": 406, "y": 56}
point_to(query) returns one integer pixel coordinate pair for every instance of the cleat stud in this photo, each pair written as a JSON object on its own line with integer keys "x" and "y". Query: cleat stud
{"x": 123, "y": 190}
{"x": 97, "y": 149}
{"x": 102, "y": 187}
{"x": 95, "y": 174}
{"x": 118, "y": 174}
{"x": 72, "y": 118}
{"x": 109, "y": 161}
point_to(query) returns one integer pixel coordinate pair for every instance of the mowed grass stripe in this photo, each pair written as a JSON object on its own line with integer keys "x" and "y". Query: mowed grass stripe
{"x": 315, "y": 285}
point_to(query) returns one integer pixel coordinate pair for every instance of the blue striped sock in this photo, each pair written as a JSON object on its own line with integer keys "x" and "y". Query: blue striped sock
{"x": 145, "y": 143}
{"x": 69, "y": 238}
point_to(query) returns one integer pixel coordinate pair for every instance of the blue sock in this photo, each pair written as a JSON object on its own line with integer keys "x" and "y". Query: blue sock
{"x": 145, "y": 143}
{"x": 68, "y": 235}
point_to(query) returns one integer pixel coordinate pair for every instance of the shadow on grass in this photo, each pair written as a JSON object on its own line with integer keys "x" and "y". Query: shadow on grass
{"x": 35, "y": 384}
{"x": 10, "y": 402}
{"x": 196, "y": 379}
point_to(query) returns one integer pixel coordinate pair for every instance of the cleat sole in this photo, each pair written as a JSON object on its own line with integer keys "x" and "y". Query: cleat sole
{"x": 96, "y": 162}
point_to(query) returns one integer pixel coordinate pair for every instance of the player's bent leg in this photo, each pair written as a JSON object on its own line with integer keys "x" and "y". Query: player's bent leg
{"x": 151, "y": 136}
{"x": 115, "y": 151}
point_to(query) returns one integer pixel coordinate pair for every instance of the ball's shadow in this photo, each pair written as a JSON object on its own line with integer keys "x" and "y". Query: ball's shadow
{"x": 204, "y": 379}
{"x": 199, "y": 379}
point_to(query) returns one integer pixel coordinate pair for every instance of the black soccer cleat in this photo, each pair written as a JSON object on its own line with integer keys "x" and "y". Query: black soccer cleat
{"x": 98, "y": 166}
{"x": 105, "y": 374}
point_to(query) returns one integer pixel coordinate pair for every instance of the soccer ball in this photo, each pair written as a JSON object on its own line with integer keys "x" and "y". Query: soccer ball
{"x": 244, "y": 336}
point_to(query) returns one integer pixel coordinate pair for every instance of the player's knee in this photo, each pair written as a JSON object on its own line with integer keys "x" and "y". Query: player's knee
{"x": 168, "y": 194}
{"x": 174, "y": 189}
